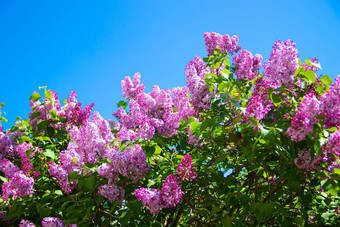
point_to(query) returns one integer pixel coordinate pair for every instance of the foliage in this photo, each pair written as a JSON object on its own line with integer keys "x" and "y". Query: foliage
{"x": 234, "y": 147}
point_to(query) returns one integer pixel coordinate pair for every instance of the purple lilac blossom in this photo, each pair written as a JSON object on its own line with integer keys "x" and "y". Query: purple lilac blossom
{"x": 305, "y": 161}
{"x": 246, "y": 65}
{"x": 131, "y": 162}
{"x": 6, "y": 146}
{"x": 111, "y": 192}
{"x": 259, "y": 104}
{"x": 151, "y": 198}
{"x": 132, "y": 88}
{"x": 282, "y": 64}
{"x": 19, "y": 185}
{"x": 26, "y": 223}
{"x": 73, "y": 112}
{"x": 61, "y": 175}
{"x": 311, "y": 68}
{"x": 225, "y": 42}
{"x": 305, "y": 118}
{"x": 200, "y": 95}
{"x": 331, "y": 152}
{"x": 26, "y": 165}
{"x": 49, "y": 104}
{"x": 330, "y": 105}
{"x": 185, "y": 170}
{"x": 52, "y": 222}
{"x": 171, "y": 192}
{"x": 152, "y": 112}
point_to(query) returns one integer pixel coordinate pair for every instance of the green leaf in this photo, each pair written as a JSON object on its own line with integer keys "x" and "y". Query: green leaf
{"x": 73, "y": 176}
{"x": 53, "y": 114}
{"x": 187, "y": 122}
{"x": 41, "y": 124}
{"x": 49, "y": 153}
{"x": 194, "y": 126}
{"x": 158, "y": 150}
{"x": 3, "y": 119}
{"x": 90, "y": 182}
{"x": 326, "y": 79}
{"x": 48, "y": 94}
{"x": 226, "y": 222}
{"x": 35, "y": 97}
{"x": 277, "y": 99}
{"x": 310, "y": 75}
{"x": 24, "y": 139}
{"x": 44, "y": 211}
{"x": 35, "y": 114}
{"x": 122, "y": 103}
{"x": 3, "y": 179}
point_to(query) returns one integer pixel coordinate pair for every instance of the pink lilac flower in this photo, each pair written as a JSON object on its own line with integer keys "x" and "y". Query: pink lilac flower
{"x": 246, "y": 65}
{"x": 311, "y": 68}
{"x": 305, "y": 161}
{"x": 132, "y": 88}
{"x": 8, "y": 168}
{"x": 171, "y": 192}
{"x": 155, "y": 111}
{"x": 73, "y": 112}
{"x": 225, "y": 42}
{"x": 305, "y": 118}
{"x": 259, "y": 104}
{"x": 106, "y": 170}
{"x": 185, "y": 170}
{"x": 330, "y": 105}
{"x": 282, "y": 64}
{"x": 61, "y": 176}
{"x": 6, "y": 146}
{"x": 26, "y": 165}
{"x": 52, "y": 222}
{"x": 111, "y": 192}
{"x": 200, "y": 95}
{"x": 331, "y": 152}
{"x": 151, "y": 198}
{"x": 131, "y": 162}
{"x": 19, "y": 185}
{"x": 26, "y": 223}
{"x": 49, "y": 104}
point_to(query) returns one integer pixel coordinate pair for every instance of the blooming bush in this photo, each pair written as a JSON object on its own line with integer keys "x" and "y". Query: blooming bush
{"x": 241, "y": 144}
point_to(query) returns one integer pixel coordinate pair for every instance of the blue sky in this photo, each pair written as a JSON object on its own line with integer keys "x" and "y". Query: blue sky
{"x": 90, "y": 46}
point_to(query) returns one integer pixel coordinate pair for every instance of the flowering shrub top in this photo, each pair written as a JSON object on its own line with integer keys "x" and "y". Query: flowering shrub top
{"x": 241, "y": 144}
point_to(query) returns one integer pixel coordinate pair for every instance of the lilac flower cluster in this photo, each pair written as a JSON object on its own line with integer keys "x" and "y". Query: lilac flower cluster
{"x": 111, "y": 192}
{"x": 26, "y": 223}
{"x": 225, "y": 42}
{"x": 311, "y": 68}
{"x": 159, "y": 110}
{"x": 131, "y": 162}
{"x": 72, "y": 110}
{"x": 132, "y": 88}
{"x": 246, "y": 65}
{"x": 305, "y": 161}
{"x": 185, "y": 170}
{"x": 305, "y": 118}
{"x": 170, "y": 195}
{"x": 6, "y": 146}
{"x": 19, "y": 183}
{"x": 331, "y": 152}
{"x": 52, "y": 222}
{"x": 200, "y": 95}
{"x": 330, "y": 105}
{"x": 259, "y": 104}
{"x": 282, "y": 64}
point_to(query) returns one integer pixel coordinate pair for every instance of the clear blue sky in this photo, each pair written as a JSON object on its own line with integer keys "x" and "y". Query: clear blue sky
{"x": 89, "y": 46}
